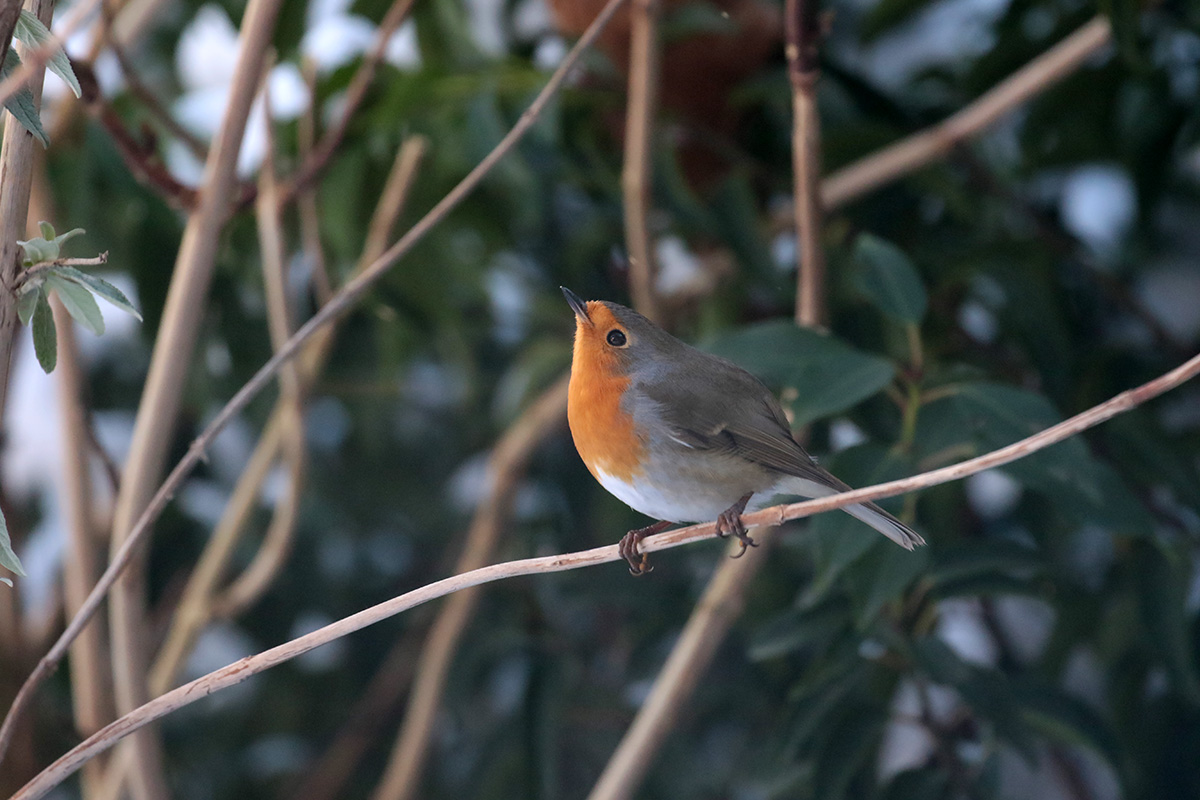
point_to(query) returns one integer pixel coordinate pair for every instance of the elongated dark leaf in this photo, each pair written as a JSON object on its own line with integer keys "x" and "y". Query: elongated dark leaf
{"x": 889, "y": 280}
{"x": 828, "y": 375}
{"x": 45, "y": 337}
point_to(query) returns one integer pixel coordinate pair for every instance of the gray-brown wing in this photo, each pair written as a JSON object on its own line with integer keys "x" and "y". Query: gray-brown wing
{"x": 734, "y": 413}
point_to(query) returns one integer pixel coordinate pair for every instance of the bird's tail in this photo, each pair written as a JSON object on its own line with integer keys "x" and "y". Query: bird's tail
{"x": 869, "y": 513}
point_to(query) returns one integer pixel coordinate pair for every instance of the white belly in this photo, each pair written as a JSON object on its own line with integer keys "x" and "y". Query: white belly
{"x": 691, "y": 501}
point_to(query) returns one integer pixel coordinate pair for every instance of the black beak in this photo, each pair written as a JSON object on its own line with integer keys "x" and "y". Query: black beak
{"x": 577, "y": 305}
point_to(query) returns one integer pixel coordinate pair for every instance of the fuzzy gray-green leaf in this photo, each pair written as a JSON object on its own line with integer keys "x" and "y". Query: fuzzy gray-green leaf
{"x": 78, "y": 301}
{"x": 31, "y": 32}
{"x": 26, "y": 303}
{"x": 8, "y": 559}
{"x": 102, "y": 288}
{"x": 45, "y": 338}
{"x": 21, "y": 104}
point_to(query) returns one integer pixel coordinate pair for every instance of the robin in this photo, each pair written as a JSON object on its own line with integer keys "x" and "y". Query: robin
{"x": 684, "y": 436}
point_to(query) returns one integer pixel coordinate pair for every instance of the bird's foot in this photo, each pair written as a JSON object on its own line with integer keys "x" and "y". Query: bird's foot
{"x": 639, "y": 562}
{"x": 729, "y": 523}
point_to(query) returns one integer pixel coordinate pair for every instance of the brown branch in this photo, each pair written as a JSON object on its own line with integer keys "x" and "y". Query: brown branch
{"x": 277, "y": 544}
{"x": 90, "y": 684}
{"x": 196, "y": 609}
{"x": 356, "y": 92}
{"x": 306, "y": 198}
{"x": 16, "y": 182}
{"x": 10, "y": 11}
{"x": 803, "y": 35}
{"x": 919, "y": 149}
{"x": 141, "y": 158}
{"x": 34, "y": 270}
{"x": 718, "y": 608}
{"x": 169, "y": 364}
{"x": 252, "y": 665}
{"x": 326, "y": 778}
{"x": 639, "y": 152}
{"x": 506, "y": 467}
{"x": 341, "y": 302}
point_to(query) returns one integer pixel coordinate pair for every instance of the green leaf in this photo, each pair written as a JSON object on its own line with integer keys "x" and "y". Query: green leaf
{"x": 21, "y": 103}
{"x": 38, "y": 250}
{"x": 1125, "y": 17}
{"x": 8, "y": 559}
{"x": 63, "y": 238}
{"x": 46, "y": 228}
{"x": 888, "y": 279}
{"x": 26, "y": 303}
{"x": 100, "y": 287}
{"x": 828, "y": 375}
{"x": 32, "y": 33}
{"x": 693, "y": 19}
{"x": 45, "y": 338}
{"x": 1063, "y": 718}
{"x": 800, "y": 628}
{"x": 78, "y": 301}
{"x": 1162, "y": 583}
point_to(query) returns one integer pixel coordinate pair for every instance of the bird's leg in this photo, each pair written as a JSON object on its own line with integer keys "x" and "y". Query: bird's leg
{"x": 729, "y": 523}
{"x": 639, "y": 563}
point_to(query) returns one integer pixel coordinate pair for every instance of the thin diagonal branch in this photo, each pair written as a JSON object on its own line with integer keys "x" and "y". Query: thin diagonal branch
{"x": 342, "y": 302}
{"x": 919, "y": 149}
{"x": 401, "y": 779}
{"x": 251, "y": 665}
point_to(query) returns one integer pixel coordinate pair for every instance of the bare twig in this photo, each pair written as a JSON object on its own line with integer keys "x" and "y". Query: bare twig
{"x": 803, "y": 34}
{"x": 34, "y": 270}
{"x": 196, "y": 607}
{"x": 356, "y": 92}
{"x": 506, "y": 466}
{"x": 639, "y": 151}
{"x": 306, "y": 198}
{"x": 341, "y": 302}
{"x": 251, "y": 665}
{"x": 164, "y": 383}
{"x": 917, "y": 150}
{"x": 90, "y": 689}
{"x": 326, "y": 778}
{"x": 718, "y": 608}
{"x": 277, "y": 543}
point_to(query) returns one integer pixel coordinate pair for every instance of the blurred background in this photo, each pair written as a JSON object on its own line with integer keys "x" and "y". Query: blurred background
{"x": 1046, "y": 644}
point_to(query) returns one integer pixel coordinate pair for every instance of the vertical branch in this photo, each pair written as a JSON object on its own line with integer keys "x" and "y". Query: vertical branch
{"x": 196, "y": 607}
{"x": 506, "y": 467}
{"x": 270, "y": 557}
{"x": 9, "y": 11}
{"x": 16, "y": 179}
{"x": 724, "y": 597}
{"x": 164, "y": 384}
{"x": 802, "y": 40}
{"x": 636, "y": 174}
{"x": 718, "y": 608}
{"x": 89, "y": 688}
{"x": 306, "y": 198}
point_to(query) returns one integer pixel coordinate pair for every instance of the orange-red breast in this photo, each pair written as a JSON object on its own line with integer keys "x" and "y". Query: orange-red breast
{"x": 684, "y": 436}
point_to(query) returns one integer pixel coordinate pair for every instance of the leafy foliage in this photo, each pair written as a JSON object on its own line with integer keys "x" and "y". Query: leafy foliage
{"x": 1049, "y": 629}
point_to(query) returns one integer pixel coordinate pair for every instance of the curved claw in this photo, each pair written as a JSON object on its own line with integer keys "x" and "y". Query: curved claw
{"x": 729, "y": 523}
{"x": 639, "y": 562}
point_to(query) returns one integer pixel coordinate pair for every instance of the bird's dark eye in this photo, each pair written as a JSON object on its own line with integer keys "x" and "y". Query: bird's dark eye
{"x": 616, "y": 338}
